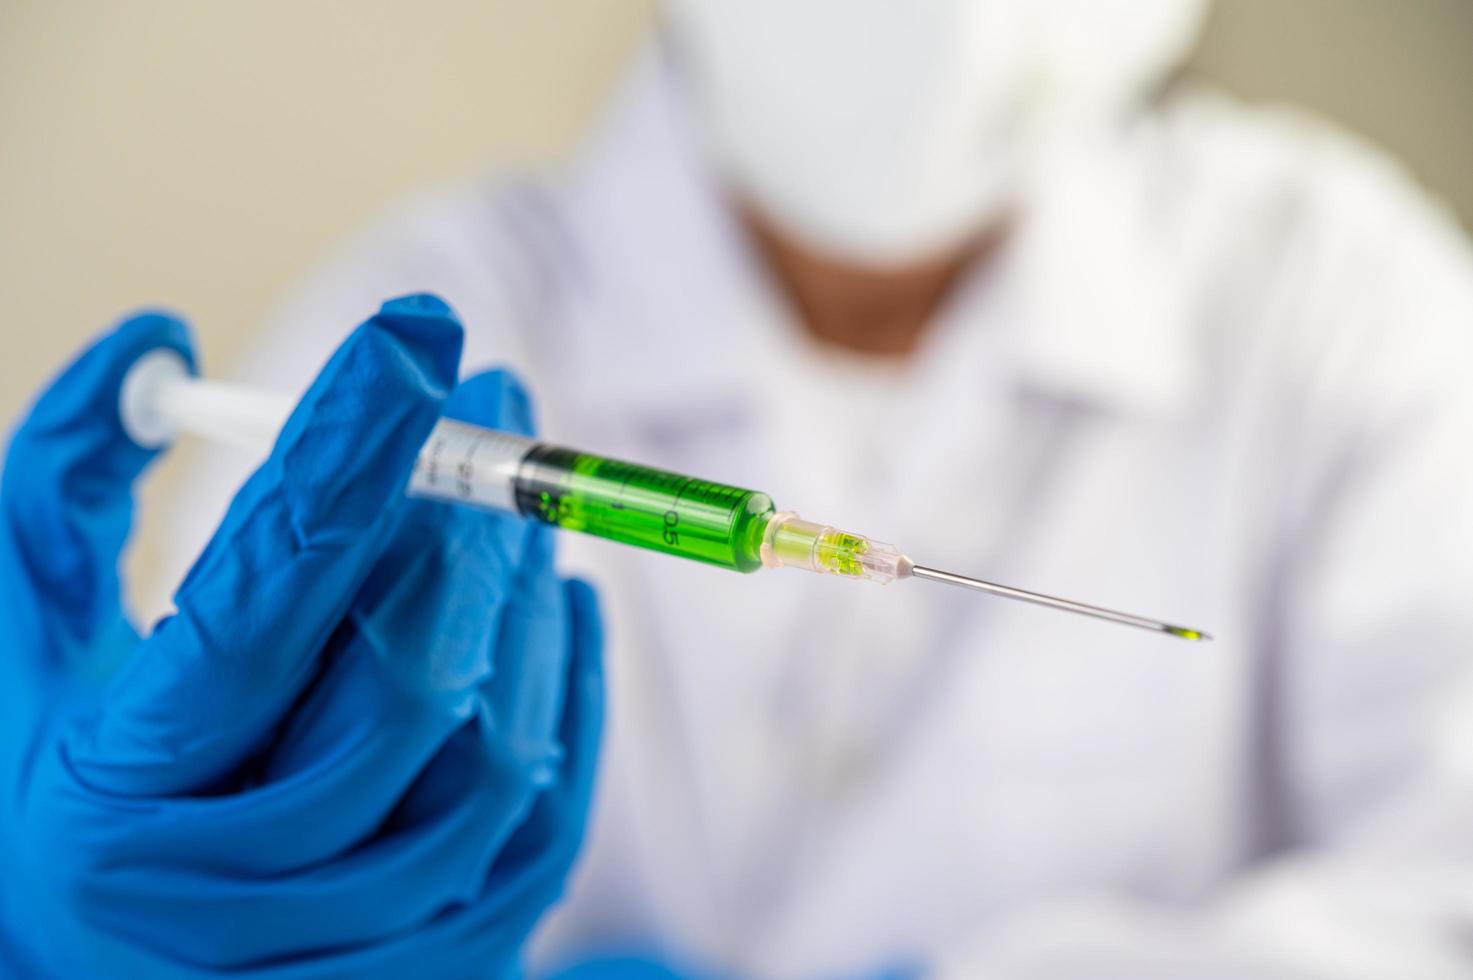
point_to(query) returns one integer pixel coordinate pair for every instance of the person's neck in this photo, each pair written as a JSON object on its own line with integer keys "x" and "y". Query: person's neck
{"x": 873, "y": 310}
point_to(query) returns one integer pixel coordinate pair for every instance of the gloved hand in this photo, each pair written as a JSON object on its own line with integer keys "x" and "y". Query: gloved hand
{"x": 625, "y": 967}
{"x": 363, "y": 746}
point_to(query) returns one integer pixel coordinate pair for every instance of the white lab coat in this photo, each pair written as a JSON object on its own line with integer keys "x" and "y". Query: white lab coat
{"x": 1219, "y": 375}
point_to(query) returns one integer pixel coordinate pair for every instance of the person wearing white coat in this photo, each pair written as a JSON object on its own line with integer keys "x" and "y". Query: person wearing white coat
{"x": 1216, "y": 371}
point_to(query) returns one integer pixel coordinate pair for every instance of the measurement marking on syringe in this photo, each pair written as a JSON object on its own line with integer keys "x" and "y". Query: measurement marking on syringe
{"x": 618, "y": 503}
{"x": 433, "y": 474}
{"x": 467, "y": 472}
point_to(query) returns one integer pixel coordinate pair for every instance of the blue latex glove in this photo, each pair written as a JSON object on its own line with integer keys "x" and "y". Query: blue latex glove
{"x": 625, "y": 967}
{"x": 364, "y": 745}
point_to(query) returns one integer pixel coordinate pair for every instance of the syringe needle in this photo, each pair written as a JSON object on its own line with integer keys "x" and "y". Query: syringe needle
{"x": 1053, "y": 602}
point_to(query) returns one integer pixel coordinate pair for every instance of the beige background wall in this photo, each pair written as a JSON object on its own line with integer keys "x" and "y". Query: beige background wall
{"x": 1398, "y": 71}
{"x": 205, "y": 155}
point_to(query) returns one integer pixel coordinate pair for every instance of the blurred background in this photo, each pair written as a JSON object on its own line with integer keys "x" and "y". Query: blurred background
{"x": 206, "y": 156}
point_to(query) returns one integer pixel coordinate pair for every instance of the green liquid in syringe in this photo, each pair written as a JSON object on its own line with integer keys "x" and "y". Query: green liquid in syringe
{"x": 679, "y": 515}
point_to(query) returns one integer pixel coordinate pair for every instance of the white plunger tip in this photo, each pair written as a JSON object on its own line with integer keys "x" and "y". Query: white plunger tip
{"x": 137, "y": 404}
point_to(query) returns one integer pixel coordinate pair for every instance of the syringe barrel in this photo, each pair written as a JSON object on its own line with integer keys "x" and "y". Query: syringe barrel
{"x": 650, "y": 508}
{"x": 609, "y": 498}
{"x": 468, "y": 464}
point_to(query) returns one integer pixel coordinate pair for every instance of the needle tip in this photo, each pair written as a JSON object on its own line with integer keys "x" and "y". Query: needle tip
{"x": 1186, "y": 634}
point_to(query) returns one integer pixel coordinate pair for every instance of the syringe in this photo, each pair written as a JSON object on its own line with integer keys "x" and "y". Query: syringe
{"x": 465, "y": 464}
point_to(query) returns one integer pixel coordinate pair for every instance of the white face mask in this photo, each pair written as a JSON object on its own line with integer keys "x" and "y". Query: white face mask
{"x": 884, "y": 131}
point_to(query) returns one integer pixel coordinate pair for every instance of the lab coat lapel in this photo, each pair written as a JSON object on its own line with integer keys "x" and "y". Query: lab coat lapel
{"x": 1097, "y": 302}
